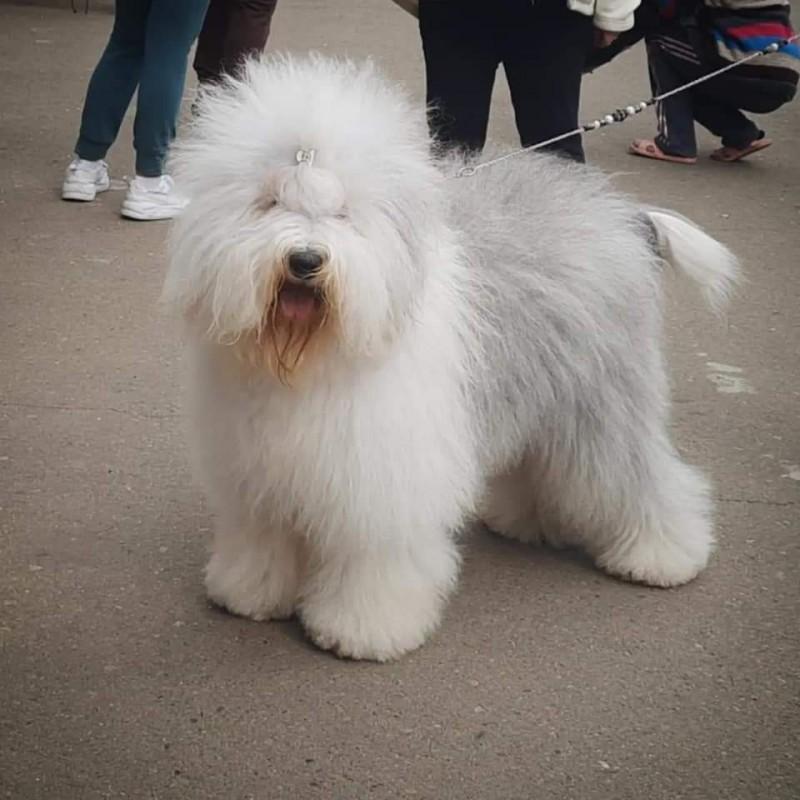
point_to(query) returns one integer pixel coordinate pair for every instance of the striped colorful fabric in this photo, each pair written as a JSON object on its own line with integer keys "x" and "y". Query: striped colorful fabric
{"x": 738, "y": 27}
{"x": 737, "y": 37}
{"x": 742, "y": 27}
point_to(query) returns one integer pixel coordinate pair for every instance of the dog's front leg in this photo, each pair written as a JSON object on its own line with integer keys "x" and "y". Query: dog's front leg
{"x": 255, "y": 571}
{"x": 379, "y": 601}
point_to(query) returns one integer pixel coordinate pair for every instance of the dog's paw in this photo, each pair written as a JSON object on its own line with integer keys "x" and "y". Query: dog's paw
{"x": 382, "y": 603}
{"x": 658, "y": 561}
{"x": 258, "y": 603}
{"x": 368, "y": 635}
{"x": 256, "y": 608}
{"x": 252, "y": 588}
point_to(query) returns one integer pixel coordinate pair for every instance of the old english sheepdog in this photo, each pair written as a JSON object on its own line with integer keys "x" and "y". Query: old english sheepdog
{"x": 383, "y": 350}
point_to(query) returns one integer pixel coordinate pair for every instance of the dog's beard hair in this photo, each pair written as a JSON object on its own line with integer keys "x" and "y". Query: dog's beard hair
{"x": 287, "y": 340}
{"x": 282, "y": 346}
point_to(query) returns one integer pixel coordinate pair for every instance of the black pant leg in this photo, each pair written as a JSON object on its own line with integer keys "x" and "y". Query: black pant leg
{"x": 460, "y": 64}
{"x": 674, "y": 115}
{"x": 726, "y": 122}
{"x": 674, "y": 60}
{"x": 544, "y": 50}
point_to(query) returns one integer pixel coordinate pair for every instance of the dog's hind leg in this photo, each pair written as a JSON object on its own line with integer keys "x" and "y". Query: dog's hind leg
{"x": 660, "y": 533}
{"x": 255, "y": 571}
{"x": 641, "y": 513}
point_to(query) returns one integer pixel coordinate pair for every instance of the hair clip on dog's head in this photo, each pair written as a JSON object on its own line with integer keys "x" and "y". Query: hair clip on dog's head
{"x": 305, "y": 157}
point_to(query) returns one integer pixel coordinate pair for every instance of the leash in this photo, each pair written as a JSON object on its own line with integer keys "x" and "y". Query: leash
{"x": 622, "y": 114}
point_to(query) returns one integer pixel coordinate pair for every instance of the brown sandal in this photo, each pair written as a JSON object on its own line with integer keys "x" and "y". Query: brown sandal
{"x": 647, "y": 148}
{"x": 731, "y": 154}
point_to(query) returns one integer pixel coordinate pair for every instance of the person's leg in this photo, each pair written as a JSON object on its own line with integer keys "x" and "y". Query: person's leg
{"x": 211, "y": 42}
{"x": 248, "y": 31}
{"x": 716, "y": 103}
{"x": 675, "y": 115}
{"x": 114, "y": 80}
{"x": 172, "y": 26}
{"x": 460, "y": 65}
{"x": 544, "y": 51}
{"x": 740, "y": 136}
{"x": 674, "y": 60}
{"x": 725, "y": 121}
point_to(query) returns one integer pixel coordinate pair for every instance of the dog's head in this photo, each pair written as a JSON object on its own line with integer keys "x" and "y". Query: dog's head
{"x": 314, "y": 211}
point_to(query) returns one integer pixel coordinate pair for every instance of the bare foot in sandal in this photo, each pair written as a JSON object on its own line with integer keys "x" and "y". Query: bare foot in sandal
{"x": 731, "y": 154}
{"x": 647, "y": 148}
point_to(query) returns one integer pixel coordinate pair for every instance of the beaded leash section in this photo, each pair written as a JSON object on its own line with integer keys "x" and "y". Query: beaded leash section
{"x": 622, "y": 114}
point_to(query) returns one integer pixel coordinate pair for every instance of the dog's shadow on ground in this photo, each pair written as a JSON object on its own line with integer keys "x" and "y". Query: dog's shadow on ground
{"x": 498, "y": 570}
{"x": 286, "y": 629}
{"x": 484, "y": 549}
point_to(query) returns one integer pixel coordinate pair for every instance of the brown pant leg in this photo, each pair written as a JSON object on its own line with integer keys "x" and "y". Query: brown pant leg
{"x": 247, "y": 31}
{"x": 208, "y": 58}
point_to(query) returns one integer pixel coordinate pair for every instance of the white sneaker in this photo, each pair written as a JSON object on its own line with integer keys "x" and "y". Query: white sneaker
{"x": 84, "y": 179}
{"x": 153, "y": 198}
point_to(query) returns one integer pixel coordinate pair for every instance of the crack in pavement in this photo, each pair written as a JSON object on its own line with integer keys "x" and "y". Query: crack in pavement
{"x": 749, "y": 501}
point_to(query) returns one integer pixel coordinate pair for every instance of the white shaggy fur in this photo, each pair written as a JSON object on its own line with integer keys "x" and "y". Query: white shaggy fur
{"x": 485, "y": 346}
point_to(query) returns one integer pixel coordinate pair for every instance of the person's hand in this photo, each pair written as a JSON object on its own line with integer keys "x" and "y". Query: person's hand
{"x": 604, "y": 38}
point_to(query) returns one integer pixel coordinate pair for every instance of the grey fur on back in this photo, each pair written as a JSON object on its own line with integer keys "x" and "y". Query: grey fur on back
{"x": 565, "y": 289}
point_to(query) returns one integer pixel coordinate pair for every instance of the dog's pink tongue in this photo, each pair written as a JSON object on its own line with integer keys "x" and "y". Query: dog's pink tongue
{"x": 297, "y": 303}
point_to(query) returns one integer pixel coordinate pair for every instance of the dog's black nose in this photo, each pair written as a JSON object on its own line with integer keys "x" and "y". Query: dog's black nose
{"x": 304, "y": 263}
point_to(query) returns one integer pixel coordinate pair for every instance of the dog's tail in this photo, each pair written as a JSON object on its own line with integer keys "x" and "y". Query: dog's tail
{"x": 707, "y": 262}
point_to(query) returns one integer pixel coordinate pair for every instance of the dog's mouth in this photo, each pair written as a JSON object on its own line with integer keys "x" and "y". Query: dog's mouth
{"x": 297, "y": 313}
{"x": 298, "y": 302}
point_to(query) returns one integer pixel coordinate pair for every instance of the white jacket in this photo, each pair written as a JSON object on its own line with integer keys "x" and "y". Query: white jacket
{"x": 609, "y": 15}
